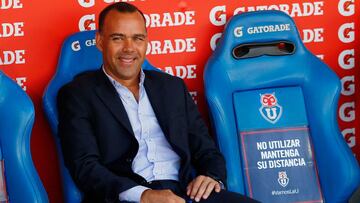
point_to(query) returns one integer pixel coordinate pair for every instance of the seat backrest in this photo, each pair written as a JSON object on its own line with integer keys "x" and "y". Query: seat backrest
{"x": 16, "y": 121}
{"x": 266, "y": 94}
{"x": 78, "y": 54}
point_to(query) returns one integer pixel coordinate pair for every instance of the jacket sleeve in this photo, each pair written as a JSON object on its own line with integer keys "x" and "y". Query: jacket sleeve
{"x": 205, "y": 156}
{"x": 80, "y": 150}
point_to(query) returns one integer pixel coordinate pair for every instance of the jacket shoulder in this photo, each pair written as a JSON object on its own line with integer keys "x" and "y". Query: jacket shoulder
{"x": 162, "y": 77}
{"x": 84, "y": 80}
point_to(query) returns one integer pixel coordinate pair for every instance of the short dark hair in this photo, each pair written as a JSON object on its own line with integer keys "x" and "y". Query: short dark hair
{"x": 121, "y": 7}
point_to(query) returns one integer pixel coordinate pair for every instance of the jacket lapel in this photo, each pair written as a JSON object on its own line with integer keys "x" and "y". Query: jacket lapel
{"x": 108, "y": 95}
{"x": 154, "y": 89}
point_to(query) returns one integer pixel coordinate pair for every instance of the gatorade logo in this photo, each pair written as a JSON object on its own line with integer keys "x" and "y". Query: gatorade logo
{"x": 75, "y": 46}
{"x": 86, "y": 3}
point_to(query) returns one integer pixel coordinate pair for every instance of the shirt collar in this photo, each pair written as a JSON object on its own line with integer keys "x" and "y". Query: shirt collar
{"x": 117, "y": 84}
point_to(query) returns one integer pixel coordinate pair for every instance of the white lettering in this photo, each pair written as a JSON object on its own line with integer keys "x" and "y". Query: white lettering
{"x": 277, "y": 154}
{"x": 12, "y": 57}
{"x": 313, "y": 35}
{"x": 349, "y": 136}
{"x": 90, "y": 42}
{"x": 348, "y": 85}
{"x": 86, "y": 3}
{"x": 261, "y": 145}
{"x": 171, "y": 46}
{"x": 238, "y": 31}
{"x": 170, "y": 19}
{"x": 262, "y": 164}
{"x": 184, "y": 72}
{"x": 346, "y": 7}
{"x": 320, "y": 56}
{"x": 279, "y": 144}
{"x": 20, "y": 81}
{"x": 346, "y": 32}
{"x": 12, "y": 29}
{"x": 268, "y": 28}
{"x": 87, "y": 22}
{"x": 239, "y": 10}
{"x": 75, "y": 45}
{"x": 7, "y": 4}
{"x": 217, "y": 15}
{"x": 214, "y": 40}
{"x": 347, "y": 111}
{"x": 346, "y": 59}
{"x": 294, "y": 10}
{"x": 282, "y": 163}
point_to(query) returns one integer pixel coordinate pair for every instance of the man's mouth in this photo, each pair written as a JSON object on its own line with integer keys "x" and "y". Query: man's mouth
{"x": 127, "y": 60}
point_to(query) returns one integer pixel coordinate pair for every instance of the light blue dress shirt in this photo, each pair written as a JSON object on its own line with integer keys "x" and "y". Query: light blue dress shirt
{"x": 155, "y": 159}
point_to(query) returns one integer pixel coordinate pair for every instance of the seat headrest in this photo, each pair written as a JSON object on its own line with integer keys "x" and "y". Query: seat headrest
{"x": 273, "y": 31}
{"x": 78, "y": 54}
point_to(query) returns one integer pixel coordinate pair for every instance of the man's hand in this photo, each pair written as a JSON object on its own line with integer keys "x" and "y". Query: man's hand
{"x": 160, "y": 196}
{"x": 201, "y": 187}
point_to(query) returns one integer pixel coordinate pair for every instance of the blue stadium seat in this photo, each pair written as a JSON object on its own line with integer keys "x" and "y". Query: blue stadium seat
{"x": 16, "y": 121}
{"x": 78, "y": 54}
{"x": 261, "y": 80}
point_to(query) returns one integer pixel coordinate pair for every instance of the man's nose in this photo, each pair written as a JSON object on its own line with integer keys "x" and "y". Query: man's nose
{"x": 128, "y": 45}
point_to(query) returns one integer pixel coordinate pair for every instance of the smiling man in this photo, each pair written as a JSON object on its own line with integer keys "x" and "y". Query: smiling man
{"x": 132, "y": 135}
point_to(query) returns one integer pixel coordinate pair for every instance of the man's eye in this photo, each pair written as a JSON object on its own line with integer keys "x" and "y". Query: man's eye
{"x": 116, "y": 38}
{"x": 139, "y": 38}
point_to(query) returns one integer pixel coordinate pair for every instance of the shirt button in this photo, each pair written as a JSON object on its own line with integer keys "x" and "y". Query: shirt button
{"x": 129, "y": 160}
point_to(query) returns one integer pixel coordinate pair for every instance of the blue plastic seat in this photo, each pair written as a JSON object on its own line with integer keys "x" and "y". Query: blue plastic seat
{"x": 78, "y": 54}
{"x": 261, "y": 78}
{"x": 16, "y": 121}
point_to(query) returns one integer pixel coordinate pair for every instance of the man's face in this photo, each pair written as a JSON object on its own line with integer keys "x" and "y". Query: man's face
{"x": 123, "y": 42}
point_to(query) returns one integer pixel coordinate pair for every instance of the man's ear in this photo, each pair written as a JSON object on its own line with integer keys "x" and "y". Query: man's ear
{"x": 99, "y": 41}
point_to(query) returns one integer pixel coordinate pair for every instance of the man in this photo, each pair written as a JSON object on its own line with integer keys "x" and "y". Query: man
{"x": 131, "y": 135}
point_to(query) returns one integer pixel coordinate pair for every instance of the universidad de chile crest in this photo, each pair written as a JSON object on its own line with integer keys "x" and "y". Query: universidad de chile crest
{"x": 270, "y": 110}
{"x": 283, "y": 180}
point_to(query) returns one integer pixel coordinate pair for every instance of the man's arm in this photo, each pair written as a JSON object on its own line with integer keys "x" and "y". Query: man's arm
{"x": 205, "y": 156}
{"x": 160, "y": 196}
{"x": 133, "y": 194}
{"x": 80, "y": 147}
{"x": 208, "y": 161}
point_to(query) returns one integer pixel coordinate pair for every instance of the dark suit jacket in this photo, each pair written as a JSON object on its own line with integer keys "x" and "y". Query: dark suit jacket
{"x": 98, "y": 142}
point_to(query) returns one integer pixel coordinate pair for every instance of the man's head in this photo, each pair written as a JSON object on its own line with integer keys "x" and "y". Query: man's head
{"x": 122, "y": 38}
{"x": 121, "y": 7}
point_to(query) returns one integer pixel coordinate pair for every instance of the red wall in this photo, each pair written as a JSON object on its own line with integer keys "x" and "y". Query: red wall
{"x": 31, "y": 33}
